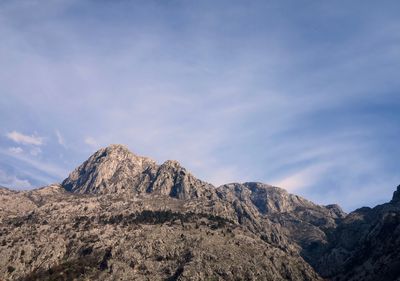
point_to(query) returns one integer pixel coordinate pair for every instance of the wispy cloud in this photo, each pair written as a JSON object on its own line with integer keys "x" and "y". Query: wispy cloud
{"x": 304, "y": 178}
{"x": 24, "y": 139}
{"x": 13, "y": 181}
{"x": 44, "y": 167}
{"x": 60, "y": 138}
{"x": 15, "y": 150}
{"x": 92, "y": 142}
{"x": 35, "y": 151}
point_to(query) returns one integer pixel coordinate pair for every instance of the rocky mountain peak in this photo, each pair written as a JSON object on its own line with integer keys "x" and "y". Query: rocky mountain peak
{"x": 396, "y": 195}
{"x": 172, "y": 164}
{"x": 107, "y": 170}
{"x": 114, "y": 169}
{"x": 116, "y": 152}
{"x": 116, "y": 147}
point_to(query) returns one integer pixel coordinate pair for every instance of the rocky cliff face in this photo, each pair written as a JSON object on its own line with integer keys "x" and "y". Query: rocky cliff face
{"x": 396, "y": 196}
{"x": 120, "y": 216}
{"x": 364, "y": 245}
{"x": 115, "y": 169}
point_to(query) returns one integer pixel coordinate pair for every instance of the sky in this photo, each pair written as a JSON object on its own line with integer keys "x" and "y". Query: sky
{"x": 304, "y": 95}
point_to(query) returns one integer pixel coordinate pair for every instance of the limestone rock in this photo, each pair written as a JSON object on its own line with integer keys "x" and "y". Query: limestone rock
{"x": 110, "y": 170}
{"x": 120, "y": 216}
{"x": 115, "y": 169}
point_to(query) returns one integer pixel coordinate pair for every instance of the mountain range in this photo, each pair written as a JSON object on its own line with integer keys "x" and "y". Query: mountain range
{"x": 120, "y": 216}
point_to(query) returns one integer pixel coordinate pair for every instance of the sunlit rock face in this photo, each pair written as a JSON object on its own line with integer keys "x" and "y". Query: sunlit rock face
{"x": 120, "y": 216}
{"x": 115, "y": 169}
{"x": 110, "y": 170}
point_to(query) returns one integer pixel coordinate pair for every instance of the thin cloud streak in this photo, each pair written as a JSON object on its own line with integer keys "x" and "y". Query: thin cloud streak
{"x": 303, "y": 178}
{"x": 60, "y": 138}
{"x": 13, "y": 181}
{"x": 15, "y": 150}
{"x": 47, "y": 168}
{"x": 24, "y": 139}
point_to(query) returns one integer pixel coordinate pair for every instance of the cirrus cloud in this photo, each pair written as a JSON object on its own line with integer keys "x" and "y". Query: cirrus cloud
{"x": 13, "y": 181}
{"x": 24, "y": 139}
{"x": 16, "y": 150}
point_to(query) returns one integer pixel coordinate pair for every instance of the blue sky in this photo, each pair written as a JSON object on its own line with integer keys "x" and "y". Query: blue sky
{"x": 299, "y": 94}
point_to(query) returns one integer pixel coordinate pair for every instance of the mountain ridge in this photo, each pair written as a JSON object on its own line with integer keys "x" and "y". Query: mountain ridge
{"x": 113, "y": 168}
{"x": 194, "y": 231}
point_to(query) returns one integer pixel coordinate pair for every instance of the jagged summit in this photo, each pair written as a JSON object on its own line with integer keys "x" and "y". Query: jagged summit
{"x": 273, "y": 199}
{"x": 119, "y": 152}
{"x": 396, "y": 195}
{"x": 115, "y": 169}
{"x": 110, "y": 169}
{"x": 116, "y": 146}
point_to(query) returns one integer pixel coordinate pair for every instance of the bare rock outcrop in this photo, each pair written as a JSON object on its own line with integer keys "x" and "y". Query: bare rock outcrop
{"x": 364, "y": 246}
{"x": 115, "y": 169}
{"x": 120, "y": 216}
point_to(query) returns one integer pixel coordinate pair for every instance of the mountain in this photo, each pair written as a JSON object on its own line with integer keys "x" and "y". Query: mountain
{"x": 120, "y": 216}
{"x": 365, "y": 245}
{"x": 114, "y": 169}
